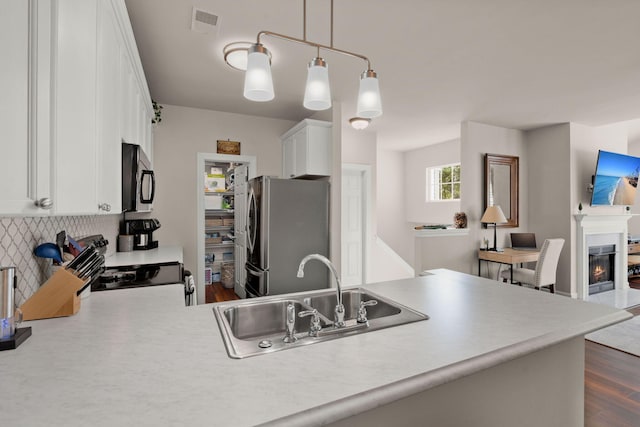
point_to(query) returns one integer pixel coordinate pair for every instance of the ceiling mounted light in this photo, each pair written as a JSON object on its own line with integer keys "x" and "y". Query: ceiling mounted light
{"x": 258, "y": 83}
{"x": 317, "y": 94}
{"x": 359, "y": 123}
{"x": 235, "y": 55}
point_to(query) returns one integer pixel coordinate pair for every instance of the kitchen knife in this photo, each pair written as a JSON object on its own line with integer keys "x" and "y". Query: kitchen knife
{"x": 83, "y": 258}
{"x": 80, "y": 258}
{"x": 93, "y": 261}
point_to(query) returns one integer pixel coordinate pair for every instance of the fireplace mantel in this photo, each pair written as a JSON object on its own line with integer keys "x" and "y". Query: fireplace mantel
{"x": 587, "y": 225}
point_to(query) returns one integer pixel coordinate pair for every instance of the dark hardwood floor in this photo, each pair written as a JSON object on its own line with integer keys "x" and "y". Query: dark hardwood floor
{"x": 218, "y": 293}
{"x": 611, "y": 385}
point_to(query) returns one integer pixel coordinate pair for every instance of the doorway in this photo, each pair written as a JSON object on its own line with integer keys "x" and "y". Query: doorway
{"x": 220, "y": 222}
{"x": 356, "y": 211}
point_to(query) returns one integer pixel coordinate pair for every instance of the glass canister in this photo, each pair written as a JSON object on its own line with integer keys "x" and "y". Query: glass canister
{"x": 9, "y": 315}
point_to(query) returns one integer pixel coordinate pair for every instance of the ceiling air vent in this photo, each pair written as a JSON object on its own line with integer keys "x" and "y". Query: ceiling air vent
{"x": 203, "y": 22}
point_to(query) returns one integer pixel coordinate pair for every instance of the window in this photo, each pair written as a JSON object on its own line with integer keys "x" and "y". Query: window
{"x": 443, "y": 183}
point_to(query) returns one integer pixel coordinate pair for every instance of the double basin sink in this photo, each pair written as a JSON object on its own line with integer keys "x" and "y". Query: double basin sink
{"x": 258, "y": 326}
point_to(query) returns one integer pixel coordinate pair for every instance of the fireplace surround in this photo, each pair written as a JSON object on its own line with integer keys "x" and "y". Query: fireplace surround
{"x": 606, "y": 237}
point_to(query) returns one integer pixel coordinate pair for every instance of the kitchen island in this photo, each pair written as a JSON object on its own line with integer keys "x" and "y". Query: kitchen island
{"x": 490, "y": 354}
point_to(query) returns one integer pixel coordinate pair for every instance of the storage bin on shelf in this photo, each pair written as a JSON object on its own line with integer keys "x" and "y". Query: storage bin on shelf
{"x": 227, "y": 275}
{"x": 213, "y": 222}
{"x": 212, "y": 238}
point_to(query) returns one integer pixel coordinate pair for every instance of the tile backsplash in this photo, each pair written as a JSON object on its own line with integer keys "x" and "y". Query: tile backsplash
{"x": 20, "y": 235}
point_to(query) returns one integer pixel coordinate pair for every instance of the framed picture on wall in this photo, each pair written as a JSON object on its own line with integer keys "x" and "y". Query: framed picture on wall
{"x": 228, "y": 147}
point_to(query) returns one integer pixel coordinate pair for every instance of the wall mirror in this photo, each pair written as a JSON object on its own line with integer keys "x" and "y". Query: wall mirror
{"x": 501, "y": 186}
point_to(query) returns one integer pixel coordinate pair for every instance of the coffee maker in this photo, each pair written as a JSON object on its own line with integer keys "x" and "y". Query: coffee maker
{"x": 10, "y": 316}
{"x": 142, "y": 231}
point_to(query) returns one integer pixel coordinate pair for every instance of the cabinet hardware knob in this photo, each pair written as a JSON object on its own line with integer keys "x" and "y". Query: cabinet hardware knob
{"x": 105, "y": 207}
{"x": 44, "y": 203}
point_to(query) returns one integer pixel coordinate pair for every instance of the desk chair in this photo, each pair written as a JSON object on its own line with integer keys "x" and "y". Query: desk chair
{"x": 545, "y": 272}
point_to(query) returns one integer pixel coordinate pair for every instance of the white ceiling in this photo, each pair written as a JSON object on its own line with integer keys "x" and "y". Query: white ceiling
{"x": 513, "y": 63}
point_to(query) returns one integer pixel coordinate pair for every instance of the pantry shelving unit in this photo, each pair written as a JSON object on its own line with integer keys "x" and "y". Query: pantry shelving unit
{"x": 221, "y": 215}
{"x": 219, "y": 225}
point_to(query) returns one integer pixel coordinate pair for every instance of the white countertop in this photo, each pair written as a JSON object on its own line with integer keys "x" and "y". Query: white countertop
{"x": 139, "y": 357}
{"x": 158, "y": 255}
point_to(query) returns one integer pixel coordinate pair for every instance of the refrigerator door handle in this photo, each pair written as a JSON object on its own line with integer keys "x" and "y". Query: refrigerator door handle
{"x": 251, "y": 228}
{"x": 254, "y": 270}
{"x": 261, "y": 275}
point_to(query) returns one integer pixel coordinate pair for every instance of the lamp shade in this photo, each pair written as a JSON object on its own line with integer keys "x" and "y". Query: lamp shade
{"x": 258, "y": 84}
{"x": 317, "y": 93}
{"x": 493, "y": 215}
{"x": 369, "y": 102}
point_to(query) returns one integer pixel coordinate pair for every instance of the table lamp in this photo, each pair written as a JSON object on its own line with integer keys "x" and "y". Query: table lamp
{"x": 493, "y": 215}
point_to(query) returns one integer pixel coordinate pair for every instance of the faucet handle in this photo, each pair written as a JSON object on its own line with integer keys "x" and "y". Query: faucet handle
{"x": 315, "y": 325}
{"x": 362, "y": 311}
{"x": 290, "y": 324}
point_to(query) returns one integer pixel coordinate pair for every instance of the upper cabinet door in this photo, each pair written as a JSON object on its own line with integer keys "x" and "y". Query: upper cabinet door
{"x": 306, "y": 150}
{"x": 109, "y": 148}
{"x": 75, "y": 108}
{"x": 24, "y": 49}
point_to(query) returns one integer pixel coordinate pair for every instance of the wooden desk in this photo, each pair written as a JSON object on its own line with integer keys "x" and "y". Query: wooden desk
{"x": 508, "y": 256}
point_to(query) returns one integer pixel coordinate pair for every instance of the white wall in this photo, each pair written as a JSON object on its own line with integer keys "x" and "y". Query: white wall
{"x": 183, "y": 133}
{"x": 568, "y": 153}
{"x": 418, "y": 210}
{"x": 476, "y": 140}
{"x": 550, "y": 193}
{"x": 359, "y": 147}
{"x": 393, "y": 228}
{"x": 585, "y": 143}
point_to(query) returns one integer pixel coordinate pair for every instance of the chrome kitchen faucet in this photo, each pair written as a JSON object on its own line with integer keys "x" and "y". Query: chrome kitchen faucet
{"x": 339, "y": 311}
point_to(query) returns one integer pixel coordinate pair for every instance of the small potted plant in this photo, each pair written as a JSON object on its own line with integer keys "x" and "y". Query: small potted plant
{"x": 157, "y": 110}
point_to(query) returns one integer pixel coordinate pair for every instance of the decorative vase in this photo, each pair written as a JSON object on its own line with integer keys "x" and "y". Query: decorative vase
{"x": 460, "y": 220}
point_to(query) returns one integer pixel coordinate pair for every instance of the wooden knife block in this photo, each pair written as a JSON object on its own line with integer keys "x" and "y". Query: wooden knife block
{"x": 55, "y": 298}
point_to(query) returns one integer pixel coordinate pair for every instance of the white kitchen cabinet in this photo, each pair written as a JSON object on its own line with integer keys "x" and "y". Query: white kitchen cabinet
{"x": 136, "y": 111}
{"x": 24, "y": 122}
{"x": 74, "y": 106}
{"x": 109, "y": 146}
{"x": 62, "y": 119}
{"x": 306, "y": 150}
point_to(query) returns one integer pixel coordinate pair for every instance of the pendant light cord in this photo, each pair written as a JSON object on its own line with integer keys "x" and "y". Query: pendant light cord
{"x": 331, "y": 41}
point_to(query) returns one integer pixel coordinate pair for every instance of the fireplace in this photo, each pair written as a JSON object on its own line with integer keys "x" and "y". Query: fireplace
{"x": 601, "y": 230}
{"x": 601, "y": 268}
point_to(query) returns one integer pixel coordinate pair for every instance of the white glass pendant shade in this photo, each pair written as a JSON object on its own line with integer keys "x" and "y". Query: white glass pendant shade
{"x": 317, "y": 93}
{"x": 258, "y": 84}
{"x": 369, "y": 102}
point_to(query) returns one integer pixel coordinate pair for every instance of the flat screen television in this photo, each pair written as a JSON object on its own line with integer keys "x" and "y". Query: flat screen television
{"x": 616, "y": 179}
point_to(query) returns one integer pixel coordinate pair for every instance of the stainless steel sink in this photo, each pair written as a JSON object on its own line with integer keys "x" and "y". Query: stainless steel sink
{"x": 258, "y": 326}
{"x": 263, "y": 319}
{"x": 351, "y": 299}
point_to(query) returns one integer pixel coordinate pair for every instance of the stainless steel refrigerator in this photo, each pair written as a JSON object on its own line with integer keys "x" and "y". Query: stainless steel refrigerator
{"x": 287, "y": 219}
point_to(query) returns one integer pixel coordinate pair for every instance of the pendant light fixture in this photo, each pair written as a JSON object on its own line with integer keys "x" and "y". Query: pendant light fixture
{"x": 317, "y": 94}
{"x": 369, "y": 103}
{"x": 258, "y": 83}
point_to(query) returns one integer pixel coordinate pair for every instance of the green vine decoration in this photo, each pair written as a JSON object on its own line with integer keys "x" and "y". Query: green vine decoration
{"x": 157, "y": 109}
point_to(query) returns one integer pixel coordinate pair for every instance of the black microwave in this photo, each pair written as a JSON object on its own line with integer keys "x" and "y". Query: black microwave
{"x": 138, "y": 180}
